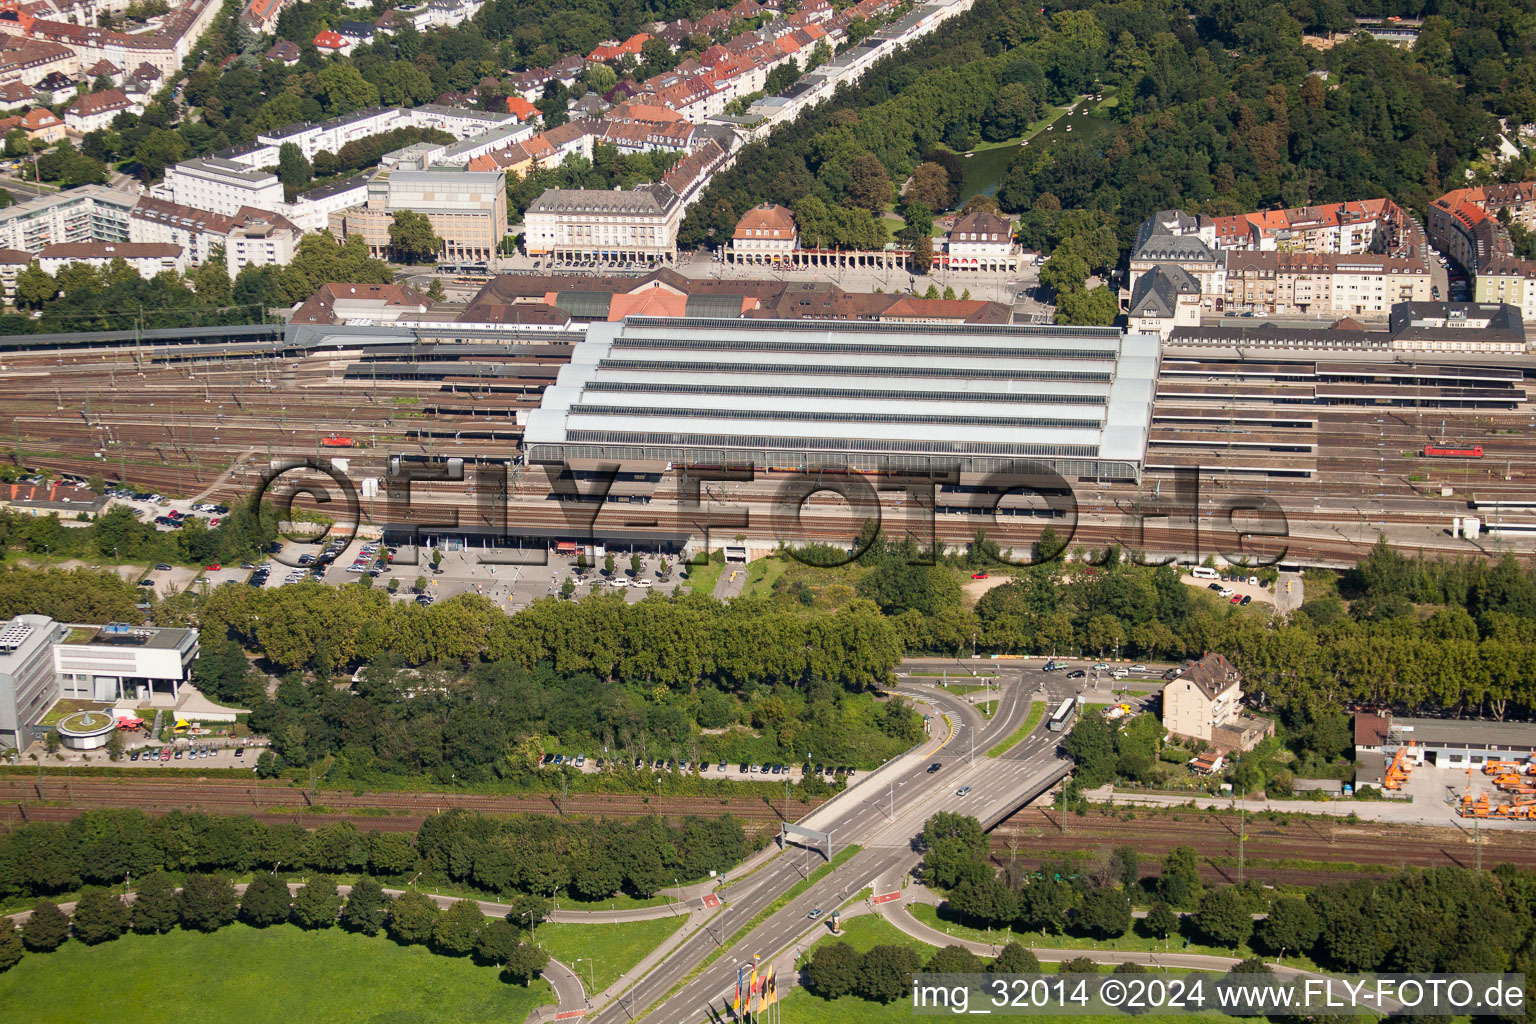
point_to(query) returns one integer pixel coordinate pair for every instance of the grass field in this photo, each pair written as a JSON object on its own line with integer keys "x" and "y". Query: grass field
{"x": 260, "y": 976}
{"x": 615, "y": 948}
{"x": 1036, "y": 712}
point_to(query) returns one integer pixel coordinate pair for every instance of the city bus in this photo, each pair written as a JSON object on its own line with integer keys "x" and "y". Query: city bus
{"x": 1062, "y": 716}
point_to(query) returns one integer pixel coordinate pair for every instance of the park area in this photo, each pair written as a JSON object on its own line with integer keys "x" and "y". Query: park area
{"x": 275, "y": 975}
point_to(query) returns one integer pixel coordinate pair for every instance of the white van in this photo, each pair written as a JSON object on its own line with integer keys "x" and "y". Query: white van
{"x": 1203, "y": 572}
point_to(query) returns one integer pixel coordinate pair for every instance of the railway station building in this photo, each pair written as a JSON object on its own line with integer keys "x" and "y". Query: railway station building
{"x": 874, "y": 397}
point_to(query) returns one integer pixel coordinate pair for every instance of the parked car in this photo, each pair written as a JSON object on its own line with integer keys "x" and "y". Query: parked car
{"x": 978, "y": 575}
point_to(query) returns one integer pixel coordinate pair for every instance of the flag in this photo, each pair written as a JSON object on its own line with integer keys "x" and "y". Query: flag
{"x": 752, "y": 986}
{"x": 736, "y": 1003}
{"x": 770, "y": 988}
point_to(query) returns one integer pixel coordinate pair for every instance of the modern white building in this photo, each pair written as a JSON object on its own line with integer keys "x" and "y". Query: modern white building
{"x": 311, "y": 211}
{"x": 27, "y": 685}
{"x": 123, "y": 662}
{"x": 219, "y": 185}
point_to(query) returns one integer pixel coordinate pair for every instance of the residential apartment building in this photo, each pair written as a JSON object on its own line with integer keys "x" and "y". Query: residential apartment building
{"x": 84, "y": 214}
{"x": 1205, "y": 703}
{"x": 1461, "y": 229}
{"x": 468, "y": 210}
{"x": 1509, "y": 280}
{"x": 220, "y": 185}
{"x": 97, "y": 110}
{"x": 250, "y": 237}
{"x": 144, "y": 258}
{"x": 167, "y": 43}
{"x": 639, "y": 224}
{"x": 1306, "y": 283}
{"x": 12, "y": 263}
{"x": 1341, "y": 228}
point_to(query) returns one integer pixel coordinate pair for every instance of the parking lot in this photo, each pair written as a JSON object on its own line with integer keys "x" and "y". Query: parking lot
{"x": 1239, "y": 586}
{"x": 185, "y": 752}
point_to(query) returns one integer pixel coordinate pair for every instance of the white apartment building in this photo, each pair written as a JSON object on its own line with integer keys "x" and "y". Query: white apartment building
{"x": 250, "y": 238}
{"x": 222, "y": 186}
{"x": 97, "y": 110}
{"x": 88, "y": 213}
{"x": 144, "y": 258}
{"x": 311, "y": 211}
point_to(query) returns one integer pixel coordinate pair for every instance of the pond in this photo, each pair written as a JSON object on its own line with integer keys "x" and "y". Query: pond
{"x": 985, "y": 170}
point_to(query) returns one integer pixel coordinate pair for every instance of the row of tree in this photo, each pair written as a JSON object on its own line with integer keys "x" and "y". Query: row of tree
{"x": 208, "y": 902}
{"x": 533, "y": 857}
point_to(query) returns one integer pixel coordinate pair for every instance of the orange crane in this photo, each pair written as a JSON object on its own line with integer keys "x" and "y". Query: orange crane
{"x": 1501, "y": 767}
{"x": 1397, "y": 771}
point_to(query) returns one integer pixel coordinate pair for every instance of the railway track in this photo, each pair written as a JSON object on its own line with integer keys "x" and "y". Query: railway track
{"x": 59, "y": 799}
{"x": 176, "y": 419}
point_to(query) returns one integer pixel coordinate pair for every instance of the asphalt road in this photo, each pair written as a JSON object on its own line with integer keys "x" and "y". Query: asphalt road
{"x": 861, "y": 816}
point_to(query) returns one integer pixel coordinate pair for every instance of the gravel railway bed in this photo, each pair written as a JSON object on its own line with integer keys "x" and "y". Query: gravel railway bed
{"x": 1276, "y": 854}
{"x": 20, "y": 799}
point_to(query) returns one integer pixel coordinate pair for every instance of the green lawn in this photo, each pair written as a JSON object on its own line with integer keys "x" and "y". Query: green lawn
{"x": 260, "y": 976}
{"x": 702, "y": 578}
{"x": 615, "y": 947}
{"x": 1036, "y": 712}
{"x": 870, "y": 930}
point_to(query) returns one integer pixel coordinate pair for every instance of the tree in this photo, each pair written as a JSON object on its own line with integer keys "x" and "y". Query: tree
{"x": 1224, "y": 917}
{"x": 1291, "y": 925}
{"x": 1095, "y": 308}
{"x": 99, "y": 916}
{"x": 341, "y": 89}
{"x": 159, "y": 148}
{"x": 833, "y": 971}
{"x": 1160, "y": 921}
{"x": 266, "y": 901}
{"x": 953, "y": 959}
{"x": 293, "y": 170}
{"x": 34, "y": 287}
{"x": 1105, "y": 912}
{"x": 456, "y": 931}
{"x": 1128, "y": 861}
{"x": 1179, "y": 884}
{"x": 47, "y": 929}
{"x": 600, "y": 78}
{"x": 156, "y": 906}
{"x": 525, "y": 964}
{"x": 929, "y": 185}
{"x": 1091, "y": 746}
{"x": 269, "y": 765}
{"x": 608, "y": 563}
{"x": 11, "y": 949}
{"x": 411, "y": 238}
{"x": 1015, "y": 958}
{"x": 496, "y": 943}
{"x": 208, "y": 902}
{"x": 391, "y": 854}
{"x": 365, "y": 907}
{"x": 412, "y": 917}
{"x": 885, "y": 973}
{"x": 1078, "y": 965}
{"x": 527, "y": 911}
{"x": 1064, "y": 272}
{"x": 316, "y": 905}
{"x": 869, "y": 187}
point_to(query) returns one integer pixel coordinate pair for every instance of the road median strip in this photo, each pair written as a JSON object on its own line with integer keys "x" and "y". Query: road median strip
{"x": 1036, "y": 713}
